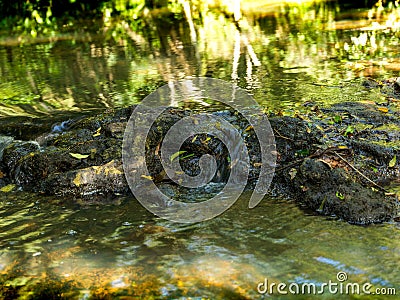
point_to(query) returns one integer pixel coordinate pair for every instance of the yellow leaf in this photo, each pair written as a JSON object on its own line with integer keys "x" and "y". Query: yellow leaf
{"x": 392, "y": 162}
{"x": 180, "y": 284}
{"x": 195, "y": 138}
{"x": 390, "y": 194}
{"x": 147, "y": 177}
{"x": 7, "y": 188}
{"x": 97, "y": 132}
{"x": 383, "y": 109}
{"x": 78, "y": 179}
{"x": 79, "y": 156}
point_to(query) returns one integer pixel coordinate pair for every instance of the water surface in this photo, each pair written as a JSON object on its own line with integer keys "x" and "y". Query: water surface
{"x": 121, "y": 248}
{"x": 277, "y": 56}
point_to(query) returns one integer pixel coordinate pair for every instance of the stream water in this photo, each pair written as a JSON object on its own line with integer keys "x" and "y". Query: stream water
{"x": 54, "y": 248}
{"x": 121, "y": 248}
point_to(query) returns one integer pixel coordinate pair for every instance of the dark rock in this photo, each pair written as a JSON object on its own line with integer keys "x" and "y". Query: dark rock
{"x": 14, "y": 154}
{"x": 294, "y": 138}
{"x": 83, "y": 160}
{"x": 331, "y": 192}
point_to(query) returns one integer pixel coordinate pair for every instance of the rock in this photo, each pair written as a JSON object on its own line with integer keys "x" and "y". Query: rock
{"x": 115, "y": 130}
{"x": 332, "y": 192}
{"x": 103, "y": 180}
{"x": 14, "y": 157}
{"x": 83, "y": 160}
{"x": 294, "y": 138}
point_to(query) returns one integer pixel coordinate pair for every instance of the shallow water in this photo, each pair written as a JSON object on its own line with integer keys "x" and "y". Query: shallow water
{"x": 55, "y": 249}
{"x": 122, "y": 248}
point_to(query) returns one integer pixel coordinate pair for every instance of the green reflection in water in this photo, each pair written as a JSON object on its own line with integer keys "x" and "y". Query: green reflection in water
{"x": 276, "y": 55}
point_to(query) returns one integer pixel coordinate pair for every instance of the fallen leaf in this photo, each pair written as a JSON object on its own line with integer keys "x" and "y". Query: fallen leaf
{"x": 339, "y": 195}
{"x": 390, "y": 194}
{"x": 78, "y": 179}
{"x": 328, "y": 162}
{"x": 383, "y": 109}
{"x": 176, "y": 154}
{"x": 8, "y": 188}
{"x": 349, "y": 130}
{"x": 392, "y": 162}
{"x": 304, "y": 188}
{"x": 93, "y": 152}
{"x": 187, "y": 156}
{"x": 79, "y": 156}
{"x": 157, "y": 149}
{"x": 97, "y": 132}
{"x": 337, "y": 119}
{"x": 147, "y": 177}
{"x": 292, "y": 173}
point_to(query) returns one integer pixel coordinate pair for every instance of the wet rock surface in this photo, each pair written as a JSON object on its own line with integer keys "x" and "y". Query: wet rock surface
{"x": 324, "y": 165}
{"x": 332, "y": 192}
